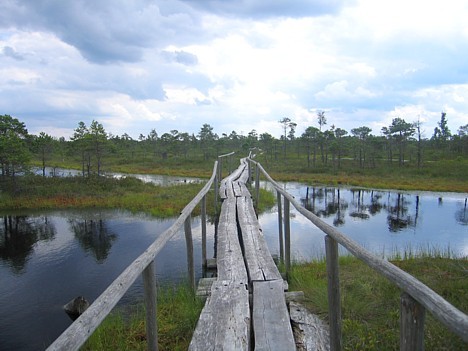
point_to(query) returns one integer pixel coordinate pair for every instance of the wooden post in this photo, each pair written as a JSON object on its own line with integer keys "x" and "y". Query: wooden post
{"x": 287, "y": 236}
{"x": 189, "y": 243}
{"x": 257, "y": 186}
{"x": 216, "y": 191}
{"x": 280, "y": 227}
{"x": 334, "y": 299}
{"x": 249, "y": 169}
{"x": 220, "y": 168}
{"x": 412, "y": 316}
{"x": 149, "y": 285}
{"x": 203, "y": 229}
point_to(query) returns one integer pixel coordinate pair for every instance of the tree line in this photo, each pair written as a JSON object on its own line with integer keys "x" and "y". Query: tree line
{"x": 400, "y": 144}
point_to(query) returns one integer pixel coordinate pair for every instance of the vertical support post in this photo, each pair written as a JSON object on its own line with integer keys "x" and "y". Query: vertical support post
{"x": 220, "y": 168}
{"x": 334, "y": 299}
{"x": 257, "y": 186}
{"x": 203, "y": 229}
{"x": 189, "y": 243}
{"x": 412, "y": 316}
{"x": 216, "y": 191}
{"x": 149, "y": 286}
{"x": 287, "y": 236}
{"x": 280, "y": 227}
{"x": 249, "y": 169}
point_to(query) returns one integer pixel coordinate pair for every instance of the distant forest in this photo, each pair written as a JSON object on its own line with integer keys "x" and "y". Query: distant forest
{"x": 93, "y": 149}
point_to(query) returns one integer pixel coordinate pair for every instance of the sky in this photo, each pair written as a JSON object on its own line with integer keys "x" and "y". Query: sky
{"x": 138, "y": 65}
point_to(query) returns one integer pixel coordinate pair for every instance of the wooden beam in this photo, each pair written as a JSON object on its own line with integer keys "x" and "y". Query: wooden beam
{"x": 271, "y": 323}
{"x": 224, "y": 323}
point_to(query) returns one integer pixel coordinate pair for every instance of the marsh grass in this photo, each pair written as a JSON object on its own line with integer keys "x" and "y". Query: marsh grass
{"x": 442, "y": 175}
{"x": 370, "y": 303}
{"x": 128, "y": 193}
{"x": 178, "y": 312}
{"x": 35, "y": 192}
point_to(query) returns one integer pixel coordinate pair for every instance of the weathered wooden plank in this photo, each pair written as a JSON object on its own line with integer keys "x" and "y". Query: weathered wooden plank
{"x": 310, "y": 332}
{"x": 244, "y": 191}
{"x": 229, "y": 254}
{"x": 260, "y": 264}
{"x": 223, "y": 189}
{"x": 229, "y": 185}
{"x": 224, "y": 323}
{"x": 204, "y": 287}
{"x": 244, "y": 177}
{"x": 237, "y": 188}
{"x": 271, "y": 324}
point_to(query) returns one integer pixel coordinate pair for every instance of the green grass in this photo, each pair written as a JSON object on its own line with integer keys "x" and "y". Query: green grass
{"x": 444, "y": 175}
{"x": 35, "y": 192}
{"x": 178, "y": 311}
{"x": 128, "y": 193}
{"x": 370, "y": 303}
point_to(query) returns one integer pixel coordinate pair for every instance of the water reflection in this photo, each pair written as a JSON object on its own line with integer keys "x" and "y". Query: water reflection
{"x": 94, "y": 236}
{"x": 18, "y": 235}
{"x": 462, "y": 214}
{"x": 361, "y": 205}
{"x": 46, "y": 260}
{"x": 384, "y": 222}
{"x": 398, "y": 216}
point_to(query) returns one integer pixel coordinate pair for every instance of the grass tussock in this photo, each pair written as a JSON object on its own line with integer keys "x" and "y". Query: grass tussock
{"x": 178, "y": 311}
{"x": 370, "y": 303}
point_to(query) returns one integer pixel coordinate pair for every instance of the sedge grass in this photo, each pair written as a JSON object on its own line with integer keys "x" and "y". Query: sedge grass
{"x": 370, "y": 303}
{"x": 177, "y": 314}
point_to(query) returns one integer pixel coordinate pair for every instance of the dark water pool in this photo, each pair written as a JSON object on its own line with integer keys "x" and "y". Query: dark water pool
{"x": 48, "y": 259}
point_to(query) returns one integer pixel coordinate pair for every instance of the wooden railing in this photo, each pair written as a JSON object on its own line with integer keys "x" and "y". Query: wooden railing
{"x": 416, "y": 297}
{"x": 81, "y": 329}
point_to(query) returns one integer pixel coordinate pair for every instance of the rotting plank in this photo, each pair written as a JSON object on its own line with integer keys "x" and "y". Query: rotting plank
{"x": 271, "y": 323}
{"x": 310, "y": 332}
{"x": 224, "y": 323}
{"x": 260, "y": 264}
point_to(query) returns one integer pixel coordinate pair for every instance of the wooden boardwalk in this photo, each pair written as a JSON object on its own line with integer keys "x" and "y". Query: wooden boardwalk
{"x": 246, "y": 307}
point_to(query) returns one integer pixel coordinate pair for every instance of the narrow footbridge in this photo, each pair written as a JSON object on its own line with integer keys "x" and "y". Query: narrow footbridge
{"x": 230, "y": 320}
{"x": 246, "y": 307}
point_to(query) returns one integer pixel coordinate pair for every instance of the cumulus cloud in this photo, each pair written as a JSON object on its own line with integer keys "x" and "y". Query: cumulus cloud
{"x": 107, "y": 30}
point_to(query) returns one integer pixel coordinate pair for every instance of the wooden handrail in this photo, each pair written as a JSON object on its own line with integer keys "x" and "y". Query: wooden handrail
{"x": 454, "y": 319}
{"x": 82, "y": 328}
